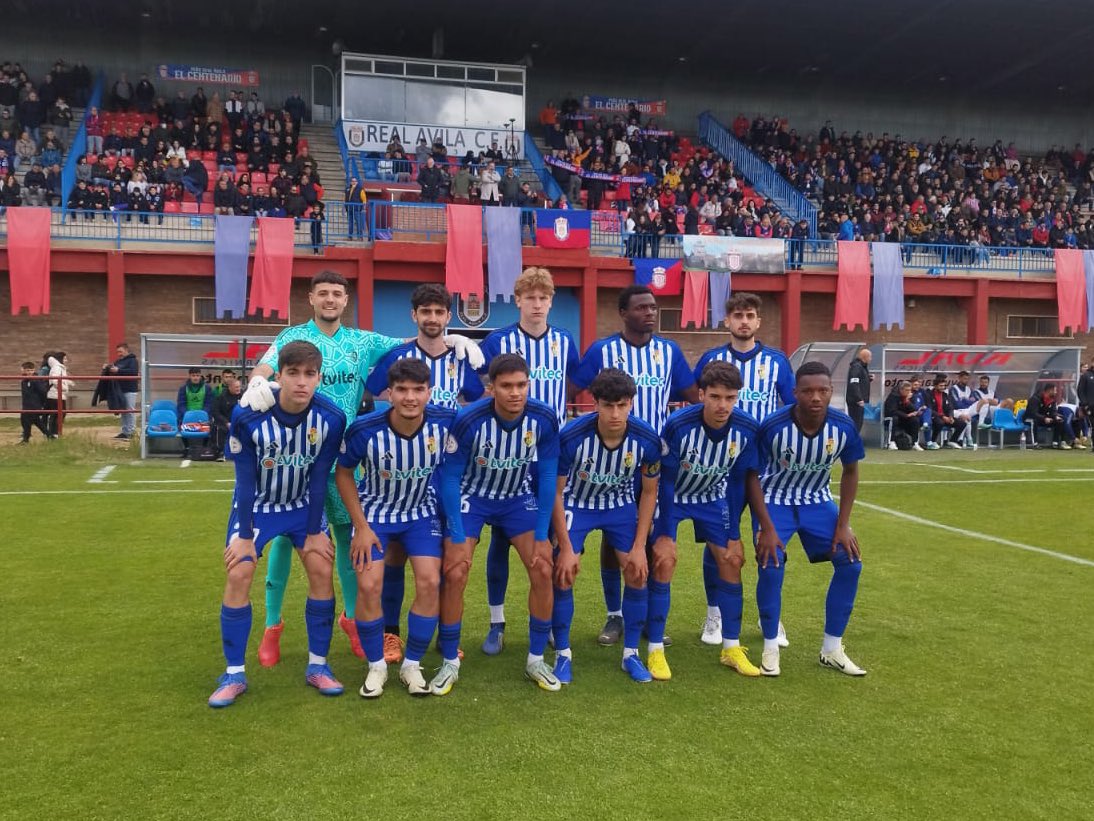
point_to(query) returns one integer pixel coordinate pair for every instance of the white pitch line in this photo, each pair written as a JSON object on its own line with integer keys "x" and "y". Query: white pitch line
{"x": 162, "y": 481}
{"x": 1076, "y": 470}
{"x": 99, "y": 477}
{"x": 225, "y": 481}
{"x": 185, "y": 463}
{"x": 953, "y": 467}
{"x": 970, "y": 481}
{"x": 972, "y": 534}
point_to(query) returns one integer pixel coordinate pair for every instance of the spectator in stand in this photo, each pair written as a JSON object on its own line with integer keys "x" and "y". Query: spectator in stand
{"x": 429, "y": 178}
{"x": 262, "y": 204}
{"x": 244, "y": 204}
{"x": 224, "y": 198}
{"x": 316, "y": 215}
{"x": 548, "y": 117}
{"x": 257, "y": 158}
{"x": 311, "y": 192}
{"x": 32, "y": 114}
{"x": 52, "y": 151}
{"x": 26, "y": 149}
{"x": 34, "y": 186}
{"x": 196, "y": 181}
{"x": 226, "y": 158}
{"x": 233, "y": 110}
{"x": 509, "y": 187}
{"x": 1048, "y": 423}
{"x": 296, "y": 109}
{"x": 356, "y": 200}
{"x": 59, "y": 118}
{"x": 214, "y": 110}
{"x": 488, "y": 185}
{"x": 144, "y": 95}
{"x": 199, "y": 106}
{"x": 10, "y": 193}
{"x": 255, "y": 109}
{"x": 80, "y": 200}
{"x": 54, "y": 185}
{"x": 942, "y": 416}
{"x": 121, "y": 94}
{"x": 461, "y": 183}
{"x": 295, "y": 206}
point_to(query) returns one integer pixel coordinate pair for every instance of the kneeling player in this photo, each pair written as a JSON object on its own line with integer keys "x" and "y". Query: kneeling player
{"x": 398, "y": 450}
{"x": 282, "y": 459}
{"x": 707, "y": 446}
{"x": 485, "y": 480}
{"x": 599, "y": 456}
{"x": 798, "y": 446}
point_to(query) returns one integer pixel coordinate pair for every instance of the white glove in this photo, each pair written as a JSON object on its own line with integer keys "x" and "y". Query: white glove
{"x": 466, "y": 348}
{"x": 259, "y": 395}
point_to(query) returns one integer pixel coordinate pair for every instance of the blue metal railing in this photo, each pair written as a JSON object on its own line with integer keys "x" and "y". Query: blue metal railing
{"x": 79, "y": 142}
{"x": 762, "y": 176}
{"x": 532, "y": 153}
{"x": 120, "y": 228}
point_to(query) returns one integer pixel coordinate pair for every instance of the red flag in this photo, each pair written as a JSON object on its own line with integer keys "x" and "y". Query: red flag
{"x": 28, "y": 259}
{"x": 271, "y": 279}
{"x": 665, "y": 277}
{"x": 696, "y": 299}
{"x": 463, "y": 257}
{"x": 1070, "y": 289}
{"x": 853, "y": 286}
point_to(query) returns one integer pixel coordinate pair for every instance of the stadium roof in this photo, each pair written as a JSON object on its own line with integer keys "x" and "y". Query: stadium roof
{"x": 1025, "y": 49}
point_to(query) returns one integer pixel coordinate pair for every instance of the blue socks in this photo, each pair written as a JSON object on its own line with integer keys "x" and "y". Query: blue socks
{"x": 658, "y": 612}
{"x": 419, "y": 632}
{"x": 319, "y": 620}
{"x": 612, "y": 579}
{"x": 391, "y": 597}
{"x": 371, "y": 634}
{"x": 731, "y": 604}
{"x": 235, "y": 627}
{"x": 497, "y": 568}
{"x": 635, "y": 607}
{"x": 538, "y": 630}
{"x": 450, "y": 640}
{"x": 769, "y": 596}
{"x": 562, "y": 616}
{"x": 841, "y": 594}
{"x": 710, "y": 577}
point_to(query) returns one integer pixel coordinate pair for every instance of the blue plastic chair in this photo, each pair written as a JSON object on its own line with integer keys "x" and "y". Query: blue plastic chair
{"x": 162, "y": 423}
{"x": 163, "y": 404}
{"x": 194, "y": 417}
{"x": 1004, "y": 421}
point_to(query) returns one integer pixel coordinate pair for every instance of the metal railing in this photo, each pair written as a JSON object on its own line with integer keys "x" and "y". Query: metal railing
{"x": 119, "y": 228}
{"x": 760, "y": 173}
{"x": 79, "y": 142}
{"x": 550, "y": 185}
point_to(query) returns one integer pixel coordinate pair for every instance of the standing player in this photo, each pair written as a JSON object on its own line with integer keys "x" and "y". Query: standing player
{"x": 799, "y": 444}
{"x": 486, "y": 479}
{"x": 767, "y": 383}
{"x": 707, "y": 447}
{"x": 600, "y": 455}
{"x": 349, "y": 355}
{"x": 552, "y": 356}
{"x": 661, "y": 374}
{"x": 282, "y": 459}
{"x": 398, "y": 450}
{"x": 454, "y": 382}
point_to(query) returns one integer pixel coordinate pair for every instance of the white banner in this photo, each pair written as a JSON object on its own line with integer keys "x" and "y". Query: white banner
{"x": 366, "y": 135}
{"x": 734, "y": 254}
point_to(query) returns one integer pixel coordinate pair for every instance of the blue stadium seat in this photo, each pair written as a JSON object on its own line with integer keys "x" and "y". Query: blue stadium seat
{"x": 194, "y": 417}
{"x": 162, "y": 423}
{"x": 163, "y": 404}
{"x": 1004, "y": 420}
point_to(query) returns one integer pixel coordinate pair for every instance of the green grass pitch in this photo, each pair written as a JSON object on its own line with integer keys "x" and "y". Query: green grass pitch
{"x": 977, "y": 703}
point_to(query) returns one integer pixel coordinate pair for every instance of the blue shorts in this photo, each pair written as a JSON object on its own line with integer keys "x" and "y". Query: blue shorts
{"x": 500, "y": 531}
{"x": 711, "y": 521}
{"x": 814, "y": 524}
{"x": 619, "y": 526}
{"x": 514, "y": 516}
{"x": 422, "y": 537}
{"x": 292, "y": 524}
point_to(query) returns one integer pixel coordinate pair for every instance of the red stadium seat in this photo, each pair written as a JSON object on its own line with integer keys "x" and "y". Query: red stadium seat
{"x": 110, "y": 161}
{"x": 241, "y": 157}
{"x": 274, "y": 168}
{"x": 188, "y": 208}
{"x": 210, "y": 166}
{"x": 171, "y": 207}
{"x": 209, "y": 155}
{"x": 92, "y": 159}
{"x": 205, "y": 208}
{"x": 193, "y": 154}
{"x": 127, "y": 162}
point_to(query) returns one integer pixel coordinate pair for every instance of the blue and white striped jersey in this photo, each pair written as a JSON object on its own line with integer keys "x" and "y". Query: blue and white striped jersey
{"x": 283, "y": 460}
{"x": 658, "y": 368}
{"x": 397, "y": 482}
{"x": 699, "y": 460}
{"x": 552, "y": 359}
{"x": 766, "y": 376}
{"x": 450, "y": 378}
{"x": 797, "y": 469}
{"x": 498, "y": 453}
{"x": 599, "y": 477}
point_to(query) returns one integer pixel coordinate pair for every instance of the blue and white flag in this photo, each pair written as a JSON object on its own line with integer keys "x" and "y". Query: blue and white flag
{"x": 503, "y": 250}
{"x": 231, "y": 249}
{"x": 888, "y": 285}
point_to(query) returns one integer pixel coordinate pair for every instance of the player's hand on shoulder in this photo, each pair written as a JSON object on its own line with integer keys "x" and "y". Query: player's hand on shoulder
{"x": 259, "y": 395}
{"x": 239, "y": 550}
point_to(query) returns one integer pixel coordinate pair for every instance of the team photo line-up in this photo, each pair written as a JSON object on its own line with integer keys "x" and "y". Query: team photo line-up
{"x": 358, "y": 496}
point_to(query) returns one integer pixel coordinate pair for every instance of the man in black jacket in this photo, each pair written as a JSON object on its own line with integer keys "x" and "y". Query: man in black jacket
{"x": 126, "y": 365}
{"x": 1048, "y": 423}
{"x": 223, "y": 405}
{"x": 942, "y": 415}
{"x": 858, "y": 386}
{"x": 34, "y": 399}
{"x": 429, "y": 178}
